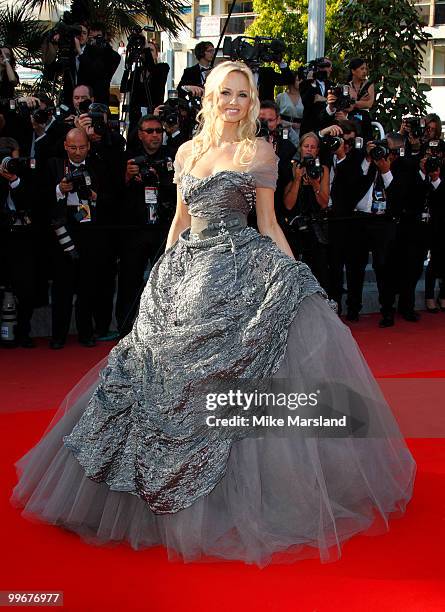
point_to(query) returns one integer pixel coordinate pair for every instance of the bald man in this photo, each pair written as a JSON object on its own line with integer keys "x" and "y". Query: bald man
{"x": 83, "y": 259}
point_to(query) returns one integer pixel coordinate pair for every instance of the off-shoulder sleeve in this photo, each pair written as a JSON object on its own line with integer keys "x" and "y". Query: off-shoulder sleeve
{"x": 181, "y": 156}
{"x": 264, "y": 167}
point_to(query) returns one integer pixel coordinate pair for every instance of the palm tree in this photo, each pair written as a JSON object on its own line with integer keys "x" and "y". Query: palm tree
{"x": 121, "y": 16}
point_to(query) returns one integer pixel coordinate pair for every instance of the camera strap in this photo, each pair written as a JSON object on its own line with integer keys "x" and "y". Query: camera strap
{"x": 378, "y": 206}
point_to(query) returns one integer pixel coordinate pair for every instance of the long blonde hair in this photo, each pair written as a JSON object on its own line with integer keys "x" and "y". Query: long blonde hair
{"x": 206, "y": 135}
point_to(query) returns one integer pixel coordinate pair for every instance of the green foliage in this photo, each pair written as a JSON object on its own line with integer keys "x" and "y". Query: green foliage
{"x": 390, "y": 36}
{"x": 23, "y": 33}
{"x": 120, "y": 16}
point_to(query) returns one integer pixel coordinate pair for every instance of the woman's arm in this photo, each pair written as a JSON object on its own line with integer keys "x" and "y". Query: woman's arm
{"x": 267, "y": 222}
{"x": 321, "y": 188}
{"x": 367, "y": 101}
{"x": 292, "y": 189}
{"x": 181, "y": 221}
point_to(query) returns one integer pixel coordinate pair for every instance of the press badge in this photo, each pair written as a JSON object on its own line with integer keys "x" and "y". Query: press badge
{"x": 151, "y": 201}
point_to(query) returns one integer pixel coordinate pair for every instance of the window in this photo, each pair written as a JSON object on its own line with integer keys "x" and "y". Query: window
{"x": 439, "y": 60}
{"x": 424, "y": 9}
{"x": 439, "y": 13}
{"x": 238, "y": 25}
{"x": 240, "y": 7}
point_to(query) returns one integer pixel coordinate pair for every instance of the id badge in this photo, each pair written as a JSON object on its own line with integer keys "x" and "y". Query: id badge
{"x": 151, "y": 201}
{"x": 83, "y": 214}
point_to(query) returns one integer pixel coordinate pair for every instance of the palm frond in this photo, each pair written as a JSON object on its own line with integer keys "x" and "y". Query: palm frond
{"x": 23, "y": 33}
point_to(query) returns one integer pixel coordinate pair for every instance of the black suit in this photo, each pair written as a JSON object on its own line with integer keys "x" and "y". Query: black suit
{"x": 349, "y": 185}
{"x": 139, "y": 241}
{"x": 96, "y": 69}
{"x": 268, "y": 78}
{"x": 89, "y": 275}
{"x": 407, "y": 195}
{"x": 194, "y": 75}
{"x": 18, "y": 269}
{"x": 314, "y": 112}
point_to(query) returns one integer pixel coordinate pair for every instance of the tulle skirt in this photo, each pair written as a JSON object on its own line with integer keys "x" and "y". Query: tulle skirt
{"x": 281, "y": 498}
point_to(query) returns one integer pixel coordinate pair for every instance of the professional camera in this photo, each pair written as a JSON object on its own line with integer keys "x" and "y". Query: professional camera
{"x": 263, "y": 49}
{"x": 96, "y": 111}
{"x": 81, "y": 181}
{"x": 432, "y": 164}
{"x": 99, "y": 42}
{"x": 279, "y": 133}
{"x": 149, "y": 169}
{"x": 381, "y": 150}
{"x": 15, "y": 165}
{"x": 331, "y": 143}
{"x": 67, "y": 31}
{"x": 315, "y": 69}
{"x": 344, "y": 100}
{"x": 170, "y": 113}
{"x": 313, "y": 166}
{"x": 417, "y": 125}
{"x": 136, "y": 45}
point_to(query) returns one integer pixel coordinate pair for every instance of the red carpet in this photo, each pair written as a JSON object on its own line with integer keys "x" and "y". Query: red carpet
{"x": 401, "y": 570}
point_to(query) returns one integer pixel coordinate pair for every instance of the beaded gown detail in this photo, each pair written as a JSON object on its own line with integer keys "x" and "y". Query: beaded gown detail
{"x": 128, "y": 457}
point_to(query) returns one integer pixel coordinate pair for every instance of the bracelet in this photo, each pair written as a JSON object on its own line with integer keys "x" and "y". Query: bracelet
{"x": 317, "y": 192}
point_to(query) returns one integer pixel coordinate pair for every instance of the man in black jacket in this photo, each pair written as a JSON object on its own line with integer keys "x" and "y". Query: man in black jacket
{"x": 314, "y": 92}
{"x": 149, "y": 208}
{"x": 196, "y": 75}
{"x": 393, "y": 195}
{"x": 18, "y": 246}
{"x": 81, "y": 203}
{"x": 97, "y": 63}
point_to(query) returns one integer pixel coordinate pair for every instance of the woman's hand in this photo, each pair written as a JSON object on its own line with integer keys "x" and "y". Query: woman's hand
{"x": 298, "y": 171}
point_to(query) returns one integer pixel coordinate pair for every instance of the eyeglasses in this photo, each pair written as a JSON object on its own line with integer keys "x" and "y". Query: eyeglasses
{"x": 157, "y": 130}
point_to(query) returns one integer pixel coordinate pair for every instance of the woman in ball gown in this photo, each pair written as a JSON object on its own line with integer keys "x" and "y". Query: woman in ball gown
{"x": 131, "y": 457}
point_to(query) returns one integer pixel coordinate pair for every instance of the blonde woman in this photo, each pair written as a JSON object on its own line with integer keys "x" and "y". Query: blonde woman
{"x": 164, "y": 447}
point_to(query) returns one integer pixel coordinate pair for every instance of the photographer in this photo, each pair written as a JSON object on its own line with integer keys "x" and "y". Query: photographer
{"x": 82, "y": 195}
{"x": 307, "y": 197}
{"x": 149, "y": 208}
{"x": 144, "y": 77}
{"x": 386, "y": 225}
{"x": 62, "y": 48}
{"x": 314, "y": 90}
{"x": 348, "y": 186}
{"x": 18, "y": 246}
{"x": 97, "y": 63}
{"x": 273, "y": 132}
{"x": 195, "y": 76}
{"x": 176, "y": 120}
{"x": 431, "y": 169}
{"x": 9, "y": 79}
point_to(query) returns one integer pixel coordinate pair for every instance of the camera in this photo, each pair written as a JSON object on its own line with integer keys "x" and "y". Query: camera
{"x": 264, "y": 131}
{"x": 381, "y": 150}
{"x": 316, "y": 68}
{"x": 95, "y": 111}
{"x": 99, "y": 42}
{"x": 432, "y": 164}
{"x": 81, "y": 181}
{"x": 331, "y": 143}
{"x": 149, "y": 168}
{"x": 300, "y": 223}
{"x": 136, "y": 46}
{"x": 262, "y": 49}
{"x": 344, "y": 100}
{"x": 417, "y": 125}
{"x": 170, "y": 113}
{"x": 15, "y": 165}
{"x": 67, "y": 31}
{"x": 313, "y": 166}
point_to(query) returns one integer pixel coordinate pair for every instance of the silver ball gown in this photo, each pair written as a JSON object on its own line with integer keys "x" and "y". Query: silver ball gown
{"x": 127, "y": 457}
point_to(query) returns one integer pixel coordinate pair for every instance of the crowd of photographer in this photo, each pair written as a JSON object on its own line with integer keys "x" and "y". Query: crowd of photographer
{"x": 84, "y": 208}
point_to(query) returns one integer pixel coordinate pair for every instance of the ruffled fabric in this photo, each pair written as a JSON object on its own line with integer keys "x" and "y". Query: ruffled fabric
{"x": 281, "y": 497}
